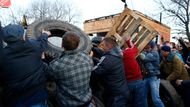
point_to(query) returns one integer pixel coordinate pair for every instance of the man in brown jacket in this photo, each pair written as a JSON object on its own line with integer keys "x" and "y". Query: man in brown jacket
{"x": 171, "y": 66}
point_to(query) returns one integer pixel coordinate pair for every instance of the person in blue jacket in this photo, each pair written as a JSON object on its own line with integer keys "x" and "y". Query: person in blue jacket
{"x": 23, "y": 76}
{"x": 151, "y": 61}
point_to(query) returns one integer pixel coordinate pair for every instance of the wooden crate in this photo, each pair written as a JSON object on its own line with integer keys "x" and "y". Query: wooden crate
{"x": 129, "y": 24}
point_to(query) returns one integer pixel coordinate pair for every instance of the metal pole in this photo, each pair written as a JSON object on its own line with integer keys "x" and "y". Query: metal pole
{"x": 161, "y": 17}
{"x": 125, "y": 5}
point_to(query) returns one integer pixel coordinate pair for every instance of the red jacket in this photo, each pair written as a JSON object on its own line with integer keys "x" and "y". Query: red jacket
{"x": 132, "y": 69}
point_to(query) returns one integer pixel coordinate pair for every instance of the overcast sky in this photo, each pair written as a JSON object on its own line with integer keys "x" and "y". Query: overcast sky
{"x": 94, "y": 8}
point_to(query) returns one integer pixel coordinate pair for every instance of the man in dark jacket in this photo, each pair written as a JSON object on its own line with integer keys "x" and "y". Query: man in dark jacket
{"x": 111, "y": 70}
{"x": 184, "y": 83}
{"x": 1, "y": 60}
{"x": 185, "y": 86}
{"x": 1, "y": 47}
{"x": 24, "y": 73}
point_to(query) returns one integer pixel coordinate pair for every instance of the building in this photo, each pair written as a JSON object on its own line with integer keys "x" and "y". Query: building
{"x": 100, "y": 26}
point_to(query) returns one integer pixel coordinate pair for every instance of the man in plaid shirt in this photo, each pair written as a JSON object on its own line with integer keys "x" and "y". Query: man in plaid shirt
{"x": 72, "y": 74}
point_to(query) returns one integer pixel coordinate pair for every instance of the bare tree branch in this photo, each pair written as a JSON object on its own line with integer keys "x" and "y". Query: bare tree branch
{"x": 179, "y": 10}
{"x": 42, "y": 9}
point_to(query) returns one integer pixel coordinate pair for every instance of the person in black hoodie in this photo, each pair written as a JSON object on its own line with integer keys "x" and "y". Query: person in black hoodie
{"x": 1, "y": 61}
{"x": 23, "y": 76}
{"x": 185, "y": 92}
{"x": 1, "y": 48}
{"x": 110, "y": 70}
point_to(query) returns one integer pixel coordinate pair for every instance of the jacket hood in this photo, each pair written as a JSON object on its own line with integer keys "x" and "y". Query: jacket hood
{"x": 115, "y": 52}
{"x": 170, "y": 56}
{"x": 12, "y": 33}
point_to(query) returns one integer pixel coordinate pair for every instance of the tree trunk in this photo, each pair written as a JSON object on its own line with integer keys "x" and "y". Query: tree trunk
{"x": 187, "y": 31}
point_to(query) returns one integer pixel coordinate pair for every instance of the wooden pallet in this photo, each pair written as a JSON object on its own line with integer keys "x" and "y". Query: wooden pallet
{"x": 130, "y": 24}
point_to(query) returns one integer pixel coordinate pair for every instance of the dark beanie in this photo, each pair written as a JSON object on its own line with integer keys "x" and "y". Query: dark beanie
{"x": 166, "y": 48}
{"x": 12, "y": 32}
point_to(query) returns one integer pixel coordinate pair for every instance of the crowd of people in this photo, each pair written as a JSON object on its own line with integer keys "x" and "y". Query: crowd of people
{"x": 24, "y": 74}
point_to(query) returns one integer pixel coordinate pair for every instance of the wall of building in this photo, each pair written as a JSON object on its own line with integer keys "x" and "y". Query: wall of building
{"x": 99, "y": 25}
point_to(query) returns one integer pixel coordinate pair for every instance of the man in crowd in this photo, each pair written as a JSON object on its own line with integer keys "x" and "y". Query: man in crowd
{"x": 151, "y": 60}
{"x": 133, "y": 75}
{"x": 185, "y": 85}
{"x": 1, "y": 58}
{"x": 71, "y": 72}
{"x": 172, "y": 67}
{"x": 23, "y": 76}
{"x": 1, "y": 47}
{"x": 96, "y": 53}
{"x": 111, "y": 70}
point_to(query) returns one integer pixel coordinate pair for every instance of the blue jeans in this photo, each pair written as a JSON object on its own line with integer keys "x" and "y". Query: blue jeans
{"x": 137, "y": 93}
{"x": 153, "y": 85}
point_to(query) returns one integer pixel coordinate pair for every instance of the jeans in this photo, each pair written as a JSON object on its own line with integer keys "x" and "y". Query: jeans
{"x": 153, "y": 85}
{"x": 137, "y": 93}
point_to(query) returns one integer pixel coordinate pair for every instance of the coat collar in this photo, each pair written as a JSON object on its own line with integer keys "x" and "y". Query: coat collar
{"x": 116, "y": 51}
{"x": 170, "y": 56}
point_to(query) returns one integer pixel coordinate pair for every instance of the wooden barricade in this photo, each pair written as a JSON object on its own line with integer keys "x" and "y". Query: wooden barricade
{"x": 129, "y": 24}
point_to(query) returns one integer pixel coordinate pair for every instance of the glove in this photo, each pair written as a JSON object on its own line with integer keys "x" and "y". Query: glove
{"x": 142, "y": 56}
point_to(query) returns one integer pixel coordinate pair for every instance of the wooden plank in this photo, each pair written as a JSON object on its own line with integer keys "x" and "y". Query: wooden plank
{"x": 126, "y": 20}
{"x": 120, "y": 19}
{"x": 147, "y": 26}
{"x": 146, "y": 41}
{"x": 140, "y": 33}
{"x": 145, "y": 34}
{"x": 142, "y": 30}
{"x": 134, "y": 37}
{"x": 132, "y": 27}
{"x": 125, "y": 23}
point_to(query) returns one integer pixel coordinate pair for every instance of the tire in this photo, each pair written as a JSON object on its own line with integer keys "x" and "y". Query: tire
{"x": 169, "y": 96}
{"x": 58, "y": 28}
